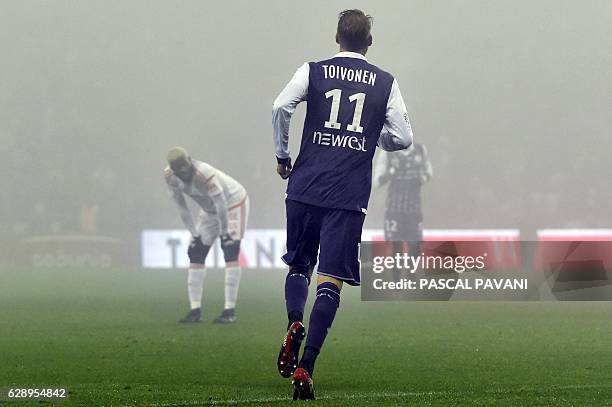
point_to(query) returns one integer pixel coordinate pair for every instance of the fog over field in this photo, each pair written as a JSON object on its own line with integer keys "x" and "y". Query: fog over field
{"x": 105, "y": 294}
{"x": 512, "y": 100}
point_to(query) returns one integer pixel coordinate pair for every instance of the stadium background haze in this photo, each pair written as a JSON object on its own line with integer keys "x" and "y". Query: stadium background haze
{"x": 511, "y": 99}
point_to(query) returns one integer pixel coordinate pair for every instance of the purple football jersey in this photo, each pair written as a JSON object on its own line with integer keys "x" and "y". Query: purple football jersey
{"x": 346, "y": 110}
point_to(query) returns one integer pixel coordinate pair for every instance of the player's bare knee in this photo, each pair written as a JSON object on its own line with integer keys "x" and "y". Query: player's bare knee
{"x": 327, "y": 279}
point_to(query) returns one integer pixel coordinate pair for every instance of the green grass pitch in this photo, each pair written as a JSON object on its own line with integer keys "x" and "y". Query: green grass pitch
{"x": 111, "y": 337}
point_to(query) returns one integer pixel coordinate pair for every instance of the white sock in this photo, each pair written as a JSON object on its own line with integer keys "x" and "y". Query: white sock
{"x": 195, "y": 282}
{"x": 232, "y": 281}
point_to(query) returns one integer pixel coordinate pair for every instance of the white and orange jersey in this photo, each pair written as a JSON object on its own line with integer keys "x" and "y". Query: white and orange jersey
{"x": 214, "y": 191}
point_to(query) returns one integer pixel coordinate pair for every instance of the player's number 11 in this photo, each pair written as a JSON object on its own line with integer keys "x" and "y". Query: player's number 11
{"x": 336, "y": 95}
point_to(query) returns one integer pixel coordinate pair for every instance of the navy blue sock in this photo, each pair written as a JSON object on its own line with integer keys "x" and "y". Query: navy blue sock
{"x": 309, "y": 358}
{"x": 321, "y": 318}
{"x": 296, "y": 292}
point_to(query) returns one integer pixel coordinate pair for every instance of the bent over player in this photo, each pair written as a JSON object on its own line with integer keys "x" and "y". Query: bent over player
{"x": 224, "y": 209}
{"x": 352, "y": 106}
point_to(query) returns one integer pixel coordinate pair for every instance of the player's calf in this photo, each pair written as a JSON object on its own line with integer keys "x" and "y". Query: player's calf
{"x": 195, "y": 282}
{"x": 233, "y": 273}
{"x": 296, "y": 292}
{"x": 196, "y": 274}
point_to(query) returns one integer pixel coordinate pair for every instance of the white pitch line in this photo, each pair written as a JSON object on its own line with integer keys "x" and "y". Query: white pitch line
{"x": 379, "y": 395}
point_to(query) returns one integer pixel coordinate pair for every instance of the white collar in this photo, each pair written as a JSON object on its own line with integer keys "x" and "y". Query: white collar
{"x": 348, "y": 54}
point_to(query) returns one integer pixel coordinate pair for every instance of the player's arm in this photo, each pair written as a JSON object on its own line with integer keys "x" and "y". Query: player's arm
{"x": 427, "y": 168}
{"x": 215, "y": 191}
{"x": 184, "y": 212}
{"x": 380, "y": 175}
{"x": 397, "y": 132}
{"x": 282, "y": 110}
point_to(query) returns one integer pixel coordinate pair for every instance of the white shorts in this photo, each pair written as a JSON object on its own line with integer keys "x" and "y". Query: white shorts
{"x": 209, "y": 225}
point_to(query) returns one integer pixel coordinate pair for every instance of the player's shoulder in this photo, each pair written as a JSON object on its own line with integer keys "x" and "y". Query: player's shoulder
{"x": 204, "y": 168}
{"x": 204, "y": 171}
{"x": 380, "y": 70}
{"x": 382, "y": 73}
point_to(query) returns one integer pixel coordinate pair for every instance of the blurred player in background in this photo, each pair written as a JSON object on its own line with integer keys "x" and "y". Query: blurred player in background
{"x": 224, "y": 209}
{"x": 352, "y": 106}
{"x": 405, "y": 171}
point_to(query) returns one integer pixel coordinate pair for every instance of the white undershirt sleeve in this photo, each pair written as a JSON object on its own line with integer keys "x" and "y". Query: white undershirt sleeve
{"x": 284, "y": 107}
{"x": 397, "y": 132}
